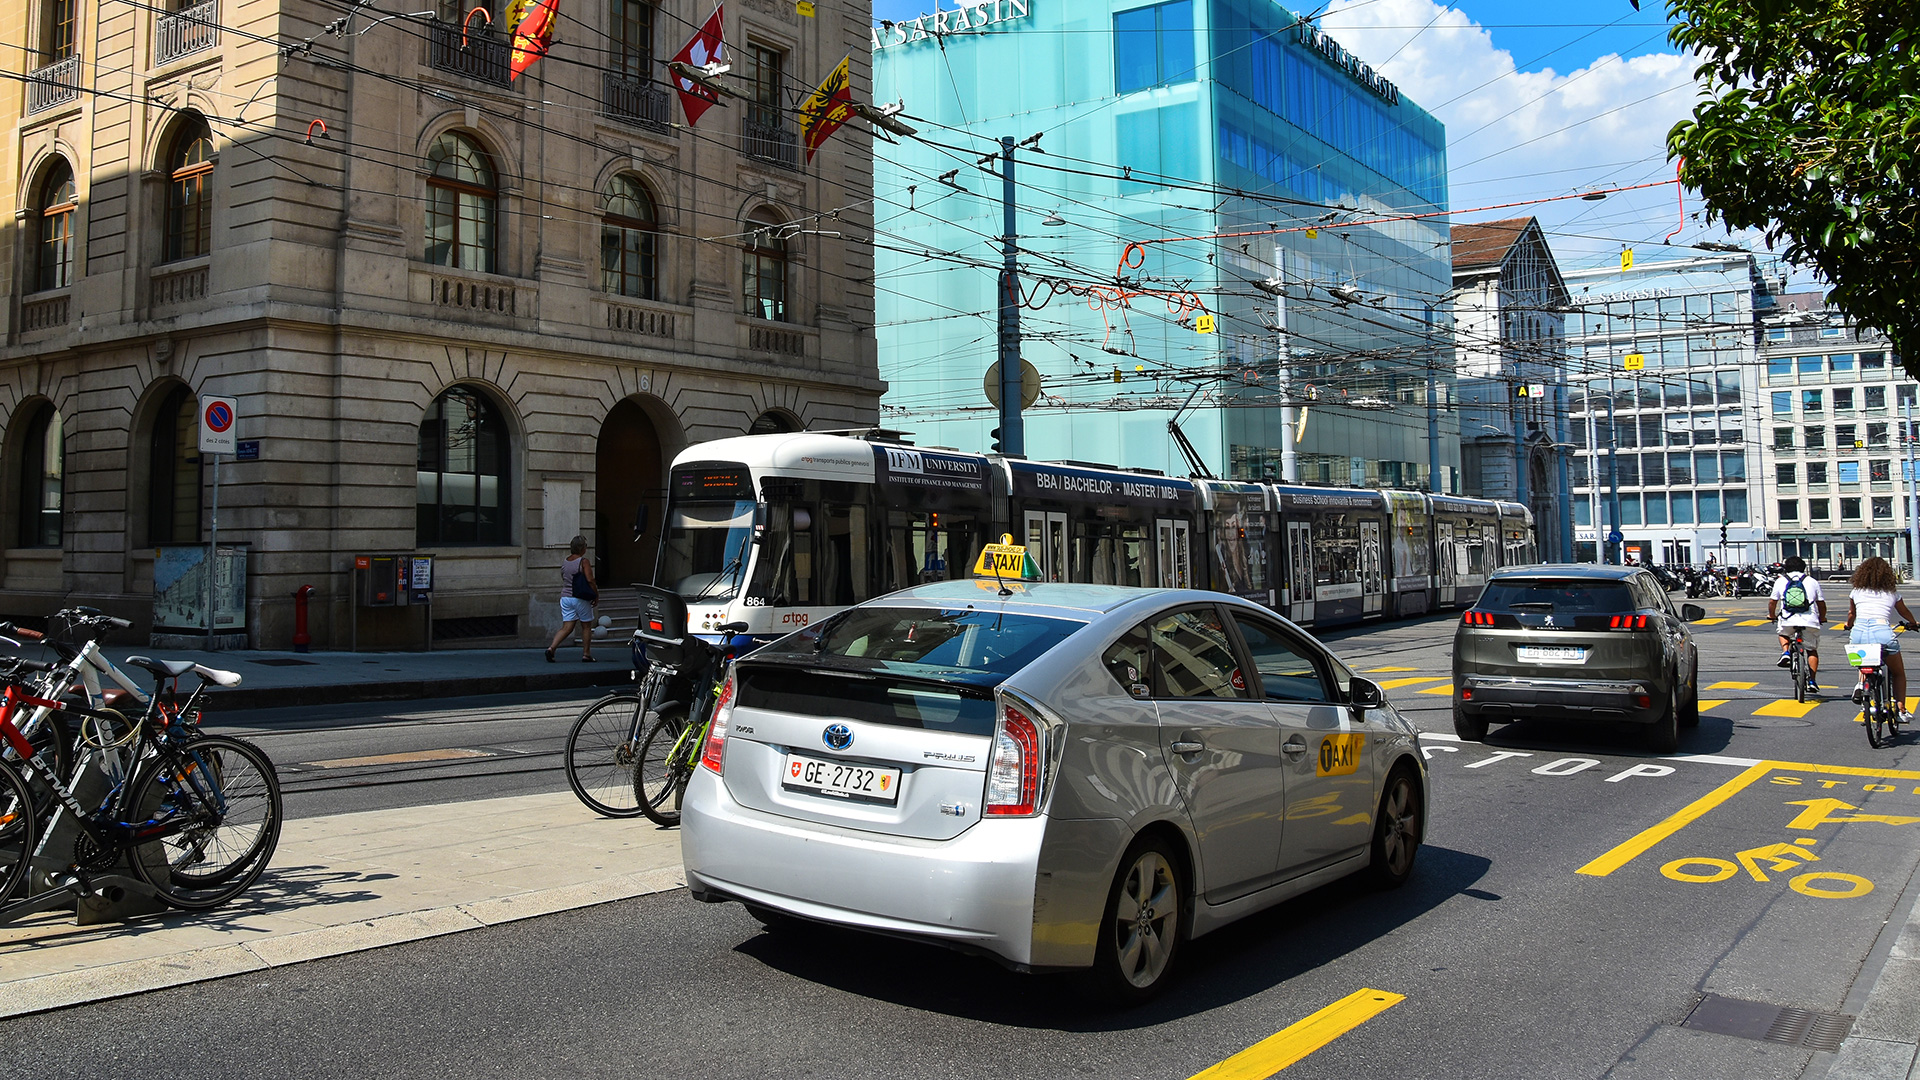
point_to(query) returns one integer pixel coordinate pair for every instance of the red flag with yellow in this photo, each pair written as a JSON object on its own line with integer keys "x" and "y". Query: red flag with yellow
{"x": 532, "y": 22}
{"x": 827, "y": 108}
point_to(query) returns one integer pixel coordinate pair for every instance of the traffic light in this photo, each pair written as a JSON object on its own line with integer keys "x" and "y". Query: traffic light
{"x": 995, "y": 435}
{"x": 1723, "y": 532}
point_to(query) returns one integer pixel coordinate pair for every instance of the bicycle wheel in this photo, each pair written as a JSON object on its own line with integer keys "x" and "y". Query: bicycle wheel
{"x": 1799, "y": 675}
{"x": 601, "y": 750}
{"x": 1874, "y": 715}
{"x": 220, "y": 799}
{"x": 16, "y": 830}
{"x": 661, "y": 775}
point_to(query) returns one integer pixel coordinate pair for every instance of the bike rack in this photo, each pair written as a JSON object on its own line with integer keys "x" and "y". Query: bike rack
{"x": 75, "y": 886}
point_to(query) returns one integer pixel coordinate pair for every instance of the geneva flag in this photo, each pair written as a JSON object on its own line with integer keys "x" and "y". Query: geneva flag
{"x": 532, "y": 22}
{"x": 828, "y": 107}
{"x": 705, "y": 48}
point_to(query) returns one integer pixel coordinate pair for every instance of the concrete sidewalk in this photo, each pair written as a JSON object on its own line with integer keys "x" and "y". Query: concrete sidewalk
{"x": 1885, "y": 1001}
{"x": 349, "y": 882}
{"x": 275, "y": 679}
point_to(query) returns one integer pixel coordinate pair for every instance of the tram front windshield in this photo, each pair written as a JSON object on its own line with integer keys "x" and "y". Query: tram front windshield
{"x": 704, "y": 553}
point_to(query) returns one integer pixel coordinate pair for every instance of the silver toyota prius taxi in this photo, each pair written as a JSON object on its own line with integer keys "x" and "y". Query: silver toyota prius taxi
{"x": 1058, "y": 776}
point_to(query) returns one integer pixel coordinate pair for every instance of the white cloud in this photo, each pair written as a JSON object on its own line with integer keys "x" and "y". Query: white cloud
{"x": 1516, "y": 134}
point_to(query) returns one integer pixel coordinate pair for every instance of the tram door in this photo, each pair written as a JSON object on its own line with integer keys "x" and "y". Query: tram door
{"x": 1047, "y": 543}
{"x": 1445, "y": 569}
{"x": 1175, "y": 542}
{"x": 1299, "y": 572}
{"x": 1373, "y": 584}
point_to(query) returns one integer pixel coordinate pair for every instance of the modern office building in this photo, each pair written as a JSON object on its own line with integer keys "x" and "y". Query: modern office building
{"x": 462, "y": 316}
{"x": 1509, "y": 325}
{"x": 1666, "y": 412}
{"x": 1236, "y": 146}
{"x": 1837, "y": 404}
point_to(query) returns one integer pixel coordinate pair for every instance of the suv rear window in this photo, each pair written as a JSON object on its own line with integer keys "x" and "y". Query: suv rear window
{"x": 1558, "y": 596}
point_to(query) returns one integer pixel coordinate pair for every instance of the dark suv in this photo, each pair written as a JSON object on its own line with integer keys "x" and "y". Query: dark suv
{"x": 1577, "y": 642}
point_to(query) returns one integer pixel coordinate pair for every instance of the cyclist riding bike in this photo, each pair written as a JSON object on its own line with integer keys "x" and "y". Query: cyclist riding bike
{"x": 1797, "y": 602}
{"x": 1870, "y": 610}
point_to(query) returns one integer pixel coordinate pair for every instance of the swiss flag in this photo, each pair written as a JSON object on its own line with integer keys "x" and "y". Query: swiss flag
{"x": 705, "y": 48}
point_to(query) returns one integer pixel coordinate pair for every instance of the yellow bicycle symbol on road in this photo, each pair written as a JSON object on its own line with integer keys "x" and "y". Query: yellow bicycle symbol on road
{"x": 1774, "y": 858}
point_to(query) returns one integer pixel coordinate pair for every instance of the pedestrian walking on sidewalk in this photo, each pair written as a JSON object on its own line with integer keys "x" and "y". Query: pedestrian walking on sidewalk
{"x": 578, "y": 591}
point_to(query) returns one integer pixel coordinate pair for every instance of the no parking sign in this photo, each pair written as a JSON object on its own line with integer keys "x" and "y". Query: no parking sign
{"x": 216, "y": 425}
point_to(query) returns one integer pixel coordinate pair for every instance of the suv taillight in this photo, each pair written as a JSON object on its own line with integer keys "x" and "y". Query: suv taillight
{"x": 1627, "y": 622}
{"x": 712, "y": 753}
{"x": 1477, "y": 618}
{"x": 1013, "y": 775}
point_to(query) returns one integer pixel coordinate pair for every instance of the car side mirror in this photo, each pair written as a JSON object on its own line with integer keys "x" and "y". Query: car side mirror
{"x": 1365, "y": 694}
{"x": 1692, "y": 612}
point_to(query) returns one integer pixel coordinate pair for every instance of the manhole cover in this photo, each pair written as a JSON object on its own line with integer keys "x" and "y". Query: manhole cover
{"x": 1772, "y": 722}
{"x": 1762, "y": 1022}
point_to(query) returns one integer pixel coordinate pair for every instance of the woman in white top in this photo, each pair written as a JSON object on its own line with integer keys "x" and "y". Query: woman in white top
{"x": 575, "y": 610}
{"x": 1870, "y": 610}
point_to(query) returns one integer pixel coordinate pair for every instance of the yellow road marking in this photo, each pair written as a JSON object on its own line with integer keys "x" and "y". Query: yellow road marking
{"x": 1395, "y": 684}
{"x": 1447, "y": 689}
{"x": 399, "y": 759}
{"x": 1733, "y": 686}
{"x": 1680, "y": 819}
{"x": 1377, "y": 670}
{"x": 1783, "y": 707}
{"x": 1705, "y": 705}
{"x": 1707, "y": 622}
{"x": 1753, "y": 622}
{"x": 1276, "y": 1052}
{"x": 1838, "y": 626}
{"x": 1912, "y": 704}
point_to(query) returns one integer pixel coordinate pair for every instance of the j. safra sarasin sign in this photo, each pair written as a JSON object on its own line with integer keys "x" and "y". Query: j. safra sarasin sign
{"x": 965, "y": 18}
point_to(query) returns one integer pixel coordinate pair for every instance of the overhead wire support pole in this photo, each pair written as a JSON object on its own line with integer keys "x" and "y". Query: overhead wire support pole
{"x": 1433, "y": 411}
{"x": 1012, "y": 433}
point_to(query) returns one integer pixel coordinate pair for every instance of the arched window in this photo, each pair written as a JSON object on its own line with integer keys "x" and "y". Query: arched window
{"x": 765, "y": 274}
{"x": 463, "y": 480}
{"x": 173, "y": 479}
{"x": 628, "y": 235}
{"x": 461, "y": 194}
{"x": 772, "y": 423}
{"x": 190, "y": 192}
{"x": 53, "y": 268}
{"x": 42, "y": 465}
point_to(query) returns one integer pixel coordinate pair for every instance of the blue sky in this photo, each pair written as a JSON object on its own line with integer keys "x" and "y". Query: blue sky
{"x": 1539, "y": 99}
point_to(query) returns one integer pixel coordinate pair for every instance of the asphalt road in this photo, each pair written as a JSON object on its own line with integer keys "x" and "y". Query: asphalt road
{"x": 1575, "y": 900}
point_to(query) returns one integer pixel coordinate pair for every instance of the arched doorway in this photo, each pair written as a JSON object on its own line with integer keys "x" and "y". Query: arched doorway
{"x": 630, "y": 473}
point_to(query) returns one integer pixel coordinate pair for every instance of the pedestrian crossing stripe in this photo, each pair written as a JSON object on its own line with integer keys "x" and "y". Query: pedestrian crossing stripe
{"x": 1733, "y": 686}
{"x": 1705, "y": 705}
{"x": 1395, "y": 684}
{"x": 1446, "y": 689}
{"x": 1377, "y": 670}
{"x": 1754, "y": 622}
{"x": 1708, "y": 622}
{"x": 1785, "y": 707}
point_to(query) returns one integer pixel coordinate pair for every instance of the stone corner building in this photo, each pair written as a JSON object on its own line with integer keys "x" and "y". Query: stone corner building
{"x": 461, "y": 316}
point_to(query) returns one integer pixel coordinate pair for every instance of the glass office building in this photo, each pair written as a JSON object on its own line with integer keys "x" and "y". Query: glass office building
{"x": 1234, "y": 146}
{"x": 1665, "y": 408}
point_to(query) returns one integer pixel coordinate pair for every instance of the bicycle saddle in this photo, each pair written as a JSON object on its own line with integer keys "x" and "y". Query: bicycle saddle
{"x": 173, "y": 669}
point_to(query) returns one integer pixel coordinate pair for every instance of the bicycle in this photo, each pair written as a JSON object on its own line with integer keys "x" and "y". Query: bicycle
{"x": 674, "y": 741}
{"x": 604, "y": 744}
{"x": 196, "y": 816}
{"x": 1797, "y": 657}
{"x": 1880, "y": 713}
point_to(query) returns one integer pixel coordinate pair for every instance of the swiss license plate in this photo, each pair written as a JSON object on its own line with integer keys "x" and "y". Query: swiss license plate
{"x": 842, "y": 779}
{"x": 1553, "y": 654}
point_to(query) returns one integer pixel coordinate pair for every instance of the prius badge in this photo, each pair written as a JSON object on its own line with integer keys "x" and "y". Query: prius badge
{"x": 837, "y": 736}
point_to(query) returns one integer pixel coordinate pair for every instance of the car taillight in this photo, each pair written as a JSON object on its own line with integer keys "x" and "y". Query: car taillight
{"x": 711, "y": 753}
{"x": 1013, "y": 776}
{"x": 1477, "y": 618}
{"x": 1627, "y": 622}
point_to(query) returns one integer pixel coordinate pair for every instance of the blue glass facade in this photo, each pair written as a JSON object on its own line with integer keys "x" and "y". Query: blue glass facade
{"x": 1190, "y": 118}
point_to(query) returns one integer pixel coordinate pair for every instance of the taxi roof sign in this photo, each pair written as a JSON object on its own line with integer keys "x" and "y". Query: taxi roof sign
{"x": 1006, "y": 560}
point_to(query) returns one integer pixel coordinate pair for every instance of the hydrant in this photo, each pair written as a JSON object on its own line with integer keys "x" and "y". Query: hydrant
{"x": 301, "y": 639}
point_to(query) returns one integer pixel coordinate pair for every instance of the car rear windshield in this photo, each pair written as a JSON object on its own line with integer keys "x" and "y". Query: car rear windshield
{"x": 918, "y": 667}
{"x": 1557, "y": 596}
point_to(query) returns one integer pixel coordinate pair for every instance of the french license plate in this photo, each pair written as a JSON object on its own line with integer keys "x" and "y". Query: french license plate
{"x": 1553, "y": 654}
{"x": 842, "y": 779}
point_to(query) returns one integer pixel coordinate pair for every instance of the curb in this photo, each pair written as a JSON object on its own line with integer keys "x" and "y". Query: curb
{"x": 65, "y": 989}
{"x": 413, "y": 689}
{"x": 1879, "y": 1002}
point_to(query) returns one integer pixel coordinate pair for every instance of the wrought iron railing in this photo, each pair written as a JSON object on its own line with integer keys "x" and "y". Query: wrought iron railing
{"x": 477, "y": 55}
{"x": 189, "y": 30}
{"x": 54, "y": 84}
{"x": 774, "y": 142}
{"x": 638, "y": 101}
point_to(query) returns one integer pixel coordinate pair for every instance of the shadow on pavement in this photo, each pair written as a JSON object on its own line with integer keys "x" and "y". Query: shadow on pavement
{"x": 1713, "y": 736}
{"x": 1240, "y": 961}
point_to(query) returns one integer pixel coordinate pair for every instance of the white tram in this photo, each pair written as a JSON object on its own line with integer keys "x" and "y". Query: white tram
{"x": 779, "y": 530}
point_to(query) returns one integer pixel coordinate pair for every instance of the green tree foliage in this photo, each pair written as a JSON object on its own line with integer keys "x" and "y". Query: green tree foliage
{"x": 1809, "y": 129}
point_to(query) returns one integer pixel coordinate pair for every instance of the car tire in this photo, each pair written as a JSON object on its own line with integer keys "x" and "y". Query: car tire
{"x": 1690, "y": 704}
{"x": 1469, "y": 728}
{"x": 1397, "y": 830}
{"x": 1144, "y": 926}
{"x": 1663, "y": 735}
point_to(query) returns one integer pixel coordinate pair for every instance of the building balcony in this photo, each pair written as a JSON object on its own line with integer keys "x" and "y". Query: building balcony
{"x": 471, "y": 296}
{"x": 186, "y": 31}
{"x": 635, "y": 101}
{"x": 44, "y": 311}
{"x": 644, "y": 322}
{"x": 53, "y": 84}
{"x": 772, "y": 142}
{"x": 477, "y": 56}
